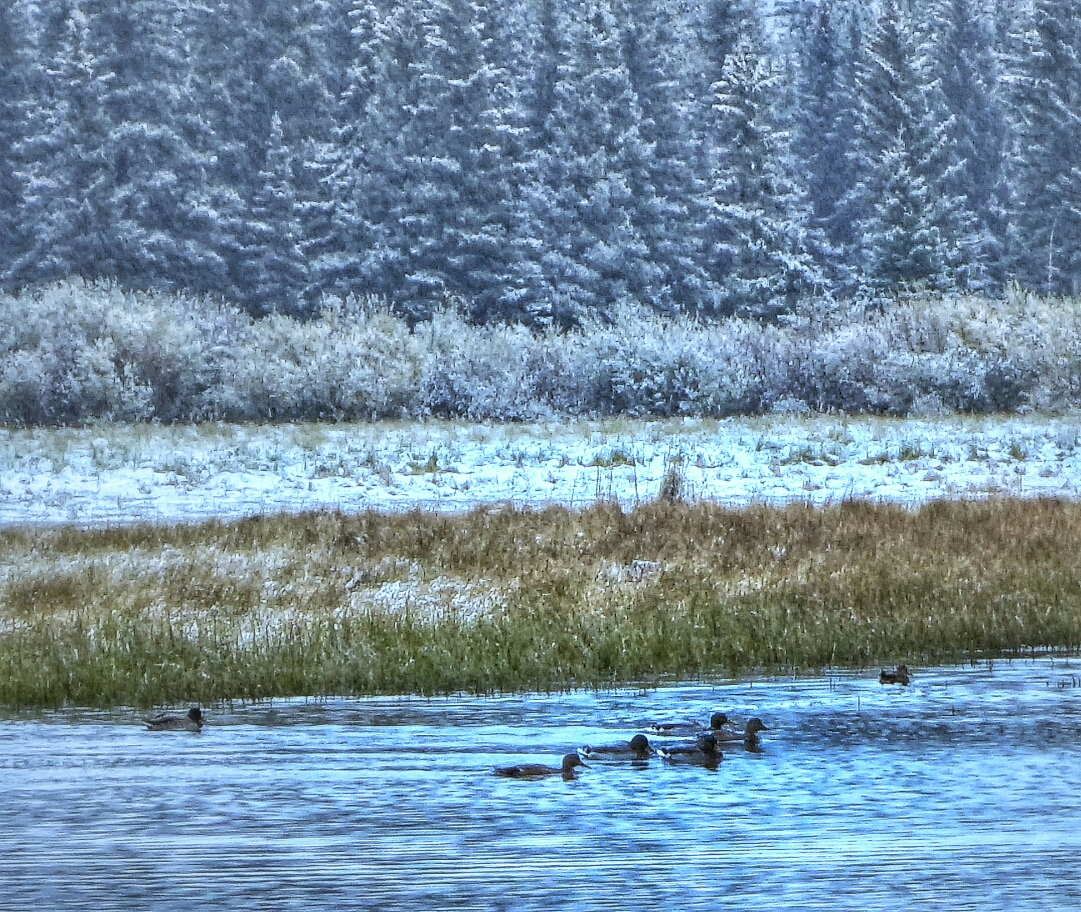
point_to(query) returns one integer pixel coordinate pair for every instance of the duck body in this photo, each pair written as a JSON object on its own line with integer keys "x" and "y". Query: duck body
{"x": 638, "y": 748}
{"x": 899, "y": 675}
{"x": 191, "y": 721}
{"x": 704, "y": 752}
{"x": 540, "y": 770}
{"x": 749, "y": 735}
{"x": 717, "y": 723}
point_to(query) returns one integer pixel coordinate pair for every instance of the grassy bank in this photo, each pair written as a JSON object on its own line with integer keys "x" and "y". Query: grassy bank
{"x": 509, "y": 600}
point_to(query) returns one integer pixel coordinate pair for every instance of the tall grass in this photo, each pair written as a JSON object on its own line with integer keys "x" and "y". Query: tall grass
{"x": 502, "y": 600}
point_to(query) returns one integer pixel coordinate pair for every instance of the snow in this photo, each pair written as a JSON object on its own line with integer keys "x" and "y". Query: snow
{"x": 110, "y": 474}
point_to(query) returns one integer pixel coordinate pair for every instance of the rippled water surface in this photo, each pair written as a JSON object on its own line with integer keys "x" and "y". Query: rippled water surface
{"x": 958, "y": 792}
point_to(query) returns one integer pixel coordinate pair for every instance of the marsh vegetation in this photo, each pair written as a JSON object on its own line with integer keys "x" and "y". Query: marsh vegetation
{"x": 502, "y": 599}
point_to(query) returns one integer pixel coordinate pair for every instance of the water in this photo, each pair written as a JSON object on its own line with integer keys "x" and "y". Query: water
{"x": 958, "y": 792}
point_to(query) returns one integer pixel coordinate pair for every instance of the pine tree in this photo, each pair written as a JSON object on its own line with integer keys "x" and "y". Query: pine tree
{"x": 761, "y": 240}
{"x": 59, "y": 162}
{"x": 961, "y": 58}
{"x": 1045, "y": 153}
{"x": 13, "y": 102}
{"x": 276, "y": 271}
{"x": 585, "y": 251}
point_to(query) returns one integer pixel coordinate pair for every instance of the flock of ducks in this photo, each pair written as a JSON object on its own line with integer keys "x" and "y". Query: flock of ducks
{"x": 704, "y": 750}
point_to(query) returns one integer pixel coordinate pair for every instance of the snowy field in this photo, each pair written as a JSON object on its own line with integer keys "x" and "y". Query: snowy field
{"x": 111, "y": 474}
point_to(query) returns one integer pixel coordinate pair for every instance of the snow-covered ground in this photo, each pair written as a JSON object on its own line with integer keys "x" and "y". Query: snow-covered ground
{"x": 123, "y": 473}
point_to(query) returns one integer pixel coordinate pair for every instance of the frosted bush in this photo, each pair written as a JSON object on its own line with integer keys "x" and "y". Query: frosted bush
{"x": 72, "y": 353}
{"x": 499, "y": 373}
{"x": 362, "y": 367}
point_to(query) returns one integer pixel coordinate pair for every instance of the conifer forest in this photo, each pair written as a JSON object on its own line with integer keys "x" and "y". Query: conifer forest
{"x": 542, "y": 161}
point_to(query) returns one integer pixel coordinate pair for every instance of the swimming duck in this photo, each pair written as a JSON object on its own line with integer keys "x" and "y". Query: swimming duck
{"x": 191, "y": 722}
{"x": 538, "y": 770}
{"x": 749, "y": 736}
{"x": 717, "y": 722}
{"x": 704, "y": 752}
{"x": 897, "y": 676}
{"x": 638, "y": 748}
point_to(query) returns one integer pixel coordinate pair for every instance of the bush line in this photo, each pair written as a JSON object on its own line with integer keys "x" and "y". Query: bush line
{"x": 73, "y": 353}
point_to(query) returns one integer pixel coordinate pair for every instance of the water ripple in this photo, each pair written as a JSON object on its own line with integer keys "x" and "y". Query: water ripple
{"x": 955, "y": 793}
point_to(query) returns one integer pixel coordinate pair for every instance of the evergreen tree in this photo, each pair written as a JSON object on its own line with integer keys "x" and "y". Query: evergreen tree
{"x": 428, "y": 174}
{"x": 825, "y": 127}
{"x": 59, "y": 162}
{"x": 961, "y": 57}
{"x": 276, "y": 271}
{"x": 1045, "y": 153}
{"x": 761, "y": 240}
{"x": 13, "y": 103}
{"x": 671, "y": 201}
{"x": 169, "y": 222}
{"x": 345, "y": 220}
{"x": 587, "y": 251}
{"x": 901, "y": 146}
{"x": 320, "y": 162}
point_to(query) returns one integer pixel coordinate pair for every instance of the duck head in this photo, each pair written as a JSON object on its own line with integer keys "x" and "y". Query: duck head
{"x": 754, "y": 726}
{"x": 707, "y": 744}
{"x": 570, "y": 761}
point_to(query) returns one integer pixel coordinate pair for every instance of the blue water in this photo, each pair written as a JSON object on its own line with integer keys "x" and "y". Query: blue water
{"x": 958, "y": 792}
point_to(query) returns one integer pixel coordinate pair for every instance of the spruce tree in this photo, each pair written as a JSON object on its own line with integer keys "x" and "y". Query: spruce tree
{"x": 587, "y": 253}
{"x": 761, "y": 239}
{"x": 1044, "y": 238}
{"x": 900, "y": 148}
{"x": 276, "y": 271}
{"x": 13, "y": 104}
{"x": 960, "y": 55}
{"x": 60, "y": 169}
{"x": 169, "y": 221}
{"x": 824, "y": 130}
{"x": 671, "y": 208}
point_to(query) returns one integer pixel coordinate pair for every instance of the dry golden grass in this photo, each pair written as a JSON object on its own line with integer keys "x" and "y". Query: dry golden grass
{"x": 505, "y": 599}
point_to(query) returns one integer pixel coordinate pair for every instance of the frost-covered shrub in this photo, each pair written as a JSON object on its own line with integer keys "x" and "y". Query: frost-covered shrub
{"x": 72, "y": 352}
{"x": 496, "y": 373}
{"x": 838, "y": 370}
{"x": 96, "y": 351}
{"x": 644, "y": 364}
{"x": 362, "y": 365}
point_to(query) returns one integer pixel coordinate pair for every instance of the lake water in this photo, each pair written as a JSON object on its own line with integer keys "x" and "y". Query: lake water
{"x": 962, "y": 791}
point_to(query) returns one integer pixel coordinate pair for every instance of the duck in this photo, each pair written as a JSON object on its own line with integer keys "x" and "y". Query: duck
{"x": 749, "y": 735}
{"x": 898, "y": 676}
{"x": 638, "y": 748}
{"x": 192, "y": 721}
{"x": 539, "y": 770}
{"x": 717, "y": 722}
{"x": 704, "y": 752}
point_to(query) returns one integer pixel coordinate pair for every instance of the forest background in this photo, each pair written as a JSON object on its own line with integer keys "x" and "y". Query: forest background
{"x": 705, "y": 206}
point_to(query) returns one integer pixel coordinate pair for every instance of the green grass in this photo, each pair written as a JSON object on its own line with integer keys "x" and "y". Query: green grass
{"x": 504, "y": 600}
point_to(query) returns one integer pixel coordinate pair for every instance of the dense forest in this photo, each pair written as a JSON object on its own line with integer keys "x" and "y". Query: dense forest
{"x": 542, "y": 161}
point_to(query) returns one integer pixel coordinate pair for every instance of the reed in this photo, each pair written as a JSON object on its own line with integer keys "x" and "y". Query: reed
{"x": 503, "y": 600}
